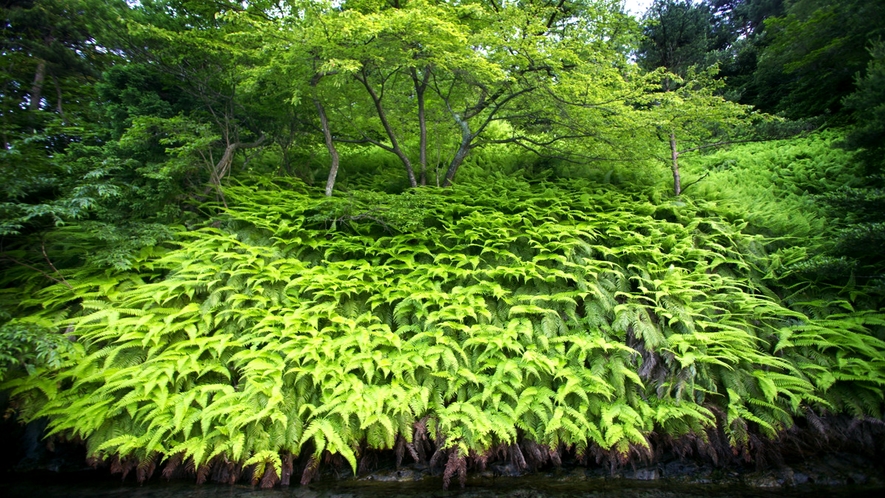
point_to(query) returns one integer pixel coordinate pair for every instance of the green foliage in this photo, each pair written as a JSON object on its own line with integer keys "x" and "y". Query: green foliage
{"x": 570, "y": 315}
{"x": 813, "y": 53}
{"x": 49, "y": 57}
{"x": 868, "y": 105}
{"x": 860, "y": 230}
{"x": 808, "y": 192}
{"x": 680, "y": 34}
{"x": 771, "y": 185}
{"x": 29, "y": 346}
{"x": 271, "y": 321}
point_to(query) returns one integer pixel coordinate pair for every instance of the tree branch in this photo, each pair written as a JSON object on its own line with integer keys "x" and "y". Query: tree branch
{"x": 727, "y": 142}
{"x": 59, "y": 280}
{"x": 696, "y": 181}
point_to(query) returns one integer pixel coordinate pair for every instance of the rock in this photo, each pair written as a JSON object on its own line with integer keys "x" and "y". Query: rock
{"x": 304, "y": 492}
{"x": 506, "y": 470}
{"x": 687, "y": 472}
{"x": 761, "y": 480}
{"x": 775, "y": 478}
{"x": 404, "y": 474}
{"x": 647, "y": 474}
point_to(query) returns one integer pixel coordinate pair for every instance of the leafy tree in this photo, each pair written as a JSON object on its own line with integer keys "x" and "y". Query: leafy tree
{"x": 728, "y": 32}
{"x": 680, "y": 34}
{"x": 45, "y": 44}
{"x": 52, "y": 55}
{"x": 745, "y": 22}
{"x": 49, "y": 42}
{"x": 187, "y": 46}
{"x": 815, "y": 50}
{"x": 867, "y": 104}
{"x": 862, "y": 208}
{"x": 472, "y": 71}
{"x": 693, "y": 117}
{"x": 745, "y": 17}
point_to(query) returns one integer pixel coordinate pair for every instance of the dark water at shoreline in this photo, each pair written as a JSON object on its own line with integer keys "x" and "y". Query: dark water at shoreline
{"x": 92, "y": 486}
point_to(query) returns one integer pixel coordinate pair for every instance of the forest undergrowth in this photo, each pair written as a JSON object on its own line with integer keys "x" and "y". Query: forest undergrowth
{"x": 494, "y": 320}
{"x": 780, "y": 180}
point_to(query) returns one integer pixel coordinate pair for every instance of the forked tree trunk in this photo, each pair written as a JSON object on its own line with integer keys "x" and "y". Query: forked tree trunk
{"x": 222, "y": 168}
{"x": 463, "y": 149}
{"x": 388, "y": 129}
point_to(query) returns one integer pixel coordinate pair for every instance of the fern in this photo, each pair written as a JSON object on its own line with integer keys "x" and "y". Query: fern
{"x": 571, "y": 315}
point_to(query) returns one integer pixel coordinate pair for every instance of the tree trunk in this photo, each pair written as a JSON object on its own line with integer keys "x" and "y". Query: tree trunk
{"x": 285, "y": 168}
{"x": 330, "y": 145}
{"x": 674, "y": 155}
{"x": 58, "y": 106}
{"x": 420, "y": 87}
{"x": 222, "y": 168}
{"x": 37, "y": 87}
{"x": 394, "y": 143}
{"x": 422, "y": 155}
{"x": 463, "y": 150}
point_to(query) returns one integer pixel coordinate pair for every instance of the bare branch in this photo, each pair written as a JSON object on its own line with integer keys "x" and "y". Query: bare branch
{"x": 696, "y": 181}
{"x": 391, "y": 134}
{"x": 727, "y": 142}
{"x": 48, "y": 261}
{"x": 60, "y": 279}
{"x": 41, "y": 272}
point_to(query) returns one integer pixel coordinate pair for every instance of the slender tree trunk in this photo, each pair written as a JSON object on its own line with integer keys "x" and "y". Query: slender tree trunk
{"x": 284, "y": 167}
{"x": 674, "y": 155}
{"x": 37, "y": 87}
{"x": 420, "y": 87}
{"x": 394, "y": 143}
{"x": 222, "y": 168}
{"x": 438, "y": 160}
{"x": 223, "y": 164}
{"x": 330, "y": 145}
{"x": 58, "y": 106}
{"x": 327, "y": 136}
{"x": 422, "y": 124}
{"x": 463, "y": 150}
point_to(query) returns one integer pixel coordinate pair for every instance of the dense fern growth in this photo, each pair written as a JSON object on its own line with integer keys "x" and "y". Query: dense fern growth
{"x": 448, "y": 325}
{"x": 810, "y": 197}
{"x": 773, "y": 185}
